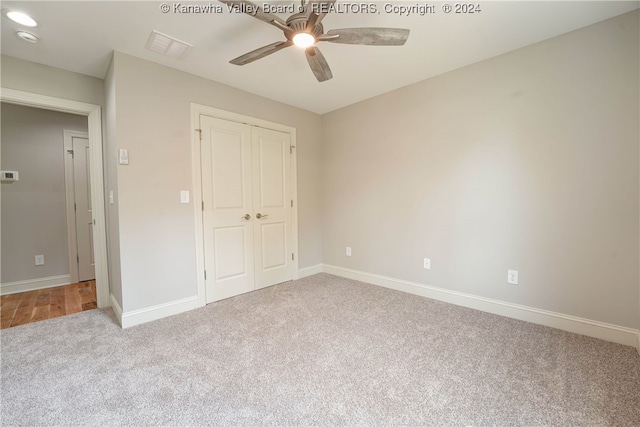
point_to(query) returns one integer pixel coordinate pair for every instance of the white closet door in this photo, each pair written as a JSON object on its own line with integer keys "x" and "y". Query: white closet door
{"x": 273, "y": 242}
{"x": 228, "y": 217}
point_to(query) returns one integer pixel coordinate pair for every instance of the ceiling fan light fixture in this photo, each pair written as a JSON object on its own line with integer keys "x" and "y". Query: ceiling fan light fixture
{"x": 304, "y": 40}
{"x": 22, "y": 19}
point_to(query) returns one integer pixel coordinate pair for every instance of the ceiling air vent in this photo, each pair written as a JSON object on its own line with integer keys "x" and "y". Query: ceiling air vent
{"x": 166, "y": 45}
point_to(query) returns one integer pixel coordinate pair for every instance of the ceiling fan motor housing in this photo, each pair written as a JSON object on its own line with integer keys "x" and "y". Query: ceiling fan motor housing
{"x": 298, "y": 23}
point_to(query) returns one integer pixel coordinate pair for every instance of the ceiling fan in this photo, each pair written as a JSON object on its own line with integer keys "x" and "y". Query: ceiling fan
{"x": 304, "y": 29}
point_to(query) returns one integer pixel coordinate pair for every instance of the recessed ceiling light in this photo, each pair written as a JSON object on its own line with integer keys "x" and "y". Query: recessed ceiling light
{"x": 22, "y": 19}
{"x": 304, "y": 40}
{"x": 31, "y": 38}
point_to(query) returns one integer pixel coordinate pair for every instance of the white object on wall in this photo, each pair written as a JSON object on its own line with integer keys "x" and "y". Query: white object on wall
{"x": 123, "y": 156}
{"x": 184, "y": 196}
{"x": 10, "y": 176}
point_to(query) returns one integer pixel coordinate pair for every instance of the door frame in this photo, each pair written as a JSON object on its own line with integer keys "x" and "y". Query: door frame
{"x": 94, "y": 118}
{"x": 70, "y": 199}
{"x": 196, "y": 111}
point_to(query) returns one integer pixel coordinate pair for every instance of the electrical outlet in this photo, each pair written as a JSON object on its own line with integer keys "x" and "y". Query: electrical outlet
{"x": 39, "y": 259}
{"x": 512, "y": 277}
{"x": 427, "y": 264}
{"x": 348, "y": 251}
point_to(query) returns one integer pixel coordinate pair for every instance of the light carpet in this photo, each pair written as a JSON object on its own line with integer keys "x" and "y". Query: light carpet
{"x": 318, "y": 351}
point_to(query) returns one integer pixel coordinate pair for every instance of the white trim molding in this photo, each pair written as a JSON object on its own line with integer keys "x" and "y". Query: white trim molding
{"x": 578, "y": 325}
{"x": 116, "y": 309}
{"x": 160, "y": 311}
{"x": 35, "y": 284}
{"x": 94, "y": 118}
{"x": 310, "y": 271}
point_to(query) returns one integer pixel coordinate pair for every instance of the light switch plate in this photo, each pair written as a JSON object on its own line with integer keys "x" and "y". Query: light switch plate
{"x": 39, "y": 259}
{"x": 123, "y": 156}
{"x": 184, "y": 196}
{"x": 110, "y": 197}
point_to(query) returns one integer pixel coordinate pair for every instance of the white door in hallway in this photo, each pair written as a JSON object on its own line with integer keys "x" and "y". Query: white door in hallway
{"x": 247, "y": 220}
{"x": 82, "y": 194}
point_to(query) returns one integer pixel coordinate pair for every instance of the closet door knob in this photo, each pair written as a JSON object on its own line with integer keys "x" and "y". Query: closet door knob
{"x": 259, "y": 215}
{"x": 246, "y": 217}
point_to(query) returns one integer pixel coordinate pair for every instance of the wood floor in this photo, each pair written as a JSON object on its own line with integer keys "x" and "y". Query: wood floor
{"x": 33, "y": 306}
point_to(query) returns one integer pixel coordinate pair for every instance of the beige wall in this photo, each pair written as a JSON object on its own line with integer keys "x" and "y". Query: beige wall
{"x": 34, "y": 220}
{"x": 111, "y": 184}
{"x": 527, "y": 161}
{"x": 44, "y": 80}
{"x": 157, "y": 233}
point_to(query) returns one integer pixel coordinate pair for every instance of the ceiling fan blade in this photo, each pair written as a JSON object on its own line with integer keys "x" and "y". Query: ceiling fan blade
{"x": 256, "y": 11}
{"x": 318, "y": 64}
{"x": 318, "y": 7}
{"x": 260, "y": 53}
{"x": 369, "y": 36}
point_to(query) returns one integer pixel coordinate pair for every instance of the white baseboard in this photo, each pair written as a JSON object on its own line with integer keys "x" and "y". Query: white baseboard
{"x": 116, "y": 308}
{"x": 592, "y": 328}
{"x": 34, "y": 284}
{"x": 310, "y": 271}
{"x": 144, "y": 315}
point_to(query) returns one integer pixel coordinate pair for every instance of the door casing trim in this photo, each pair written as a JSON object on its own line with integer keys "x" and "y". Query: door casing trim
{"x": 196, "y": 111}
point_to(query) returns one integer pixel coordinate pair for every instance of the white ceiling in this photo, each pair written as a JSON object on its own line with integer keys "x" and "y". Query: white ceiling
{"x": 80, "y": 36}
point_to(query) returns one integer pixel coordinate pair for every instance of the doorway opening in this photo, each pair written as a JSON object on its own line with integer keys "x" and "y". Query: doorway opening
{"x": 96, "y": 181}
